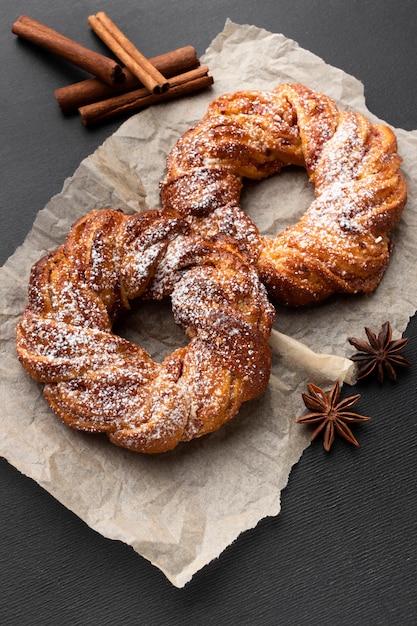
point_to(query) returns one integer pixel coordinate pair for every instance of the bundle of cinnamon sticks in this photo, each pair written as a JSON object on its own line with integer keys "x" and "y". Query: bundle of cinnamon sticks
{"x": 117, "y": 87}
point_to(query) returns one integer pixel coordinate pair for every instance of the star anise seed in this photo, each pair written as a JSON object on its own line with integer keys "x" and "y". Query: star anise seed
{"x": 381, "y": 354}
{"x": 330, "y": 414}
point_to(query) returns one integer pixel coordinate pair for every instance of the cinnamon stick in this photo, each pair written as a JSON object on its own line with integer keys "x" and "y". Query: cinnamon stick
{"x": 194, "y": 80}
{"x": 95, "y": 63}
{"x": 71, "y": 97}
{"x": 124, "y": 49}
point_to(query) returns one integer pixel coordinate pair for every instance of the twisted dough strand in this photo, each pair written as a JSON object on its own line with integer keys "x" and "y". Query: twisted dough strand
{"x": 99, "y": 382}
{"x": 341, "y": 244}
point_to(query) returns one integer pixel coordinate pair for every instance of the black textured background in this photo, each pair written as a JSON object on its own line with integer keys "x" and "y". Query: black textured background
{"x": 342, "y": 551}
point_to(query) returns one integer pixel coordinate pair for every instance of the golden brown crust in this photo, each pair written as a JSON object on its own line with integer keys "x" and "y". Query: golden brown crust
{"x": 99, "y": 382}
{"x": 341, "y": 244}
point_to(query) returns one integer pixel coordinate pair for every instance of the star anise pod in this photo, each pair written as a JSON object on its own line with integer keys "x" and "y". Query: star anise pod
{"x": 380, "y": 354}
{"x": 330, "y": 414}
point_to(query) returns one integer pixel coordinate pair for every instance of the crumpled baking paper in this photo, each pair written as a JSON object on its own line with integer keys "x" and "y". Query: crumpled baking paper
{"x": 180, "y": 510}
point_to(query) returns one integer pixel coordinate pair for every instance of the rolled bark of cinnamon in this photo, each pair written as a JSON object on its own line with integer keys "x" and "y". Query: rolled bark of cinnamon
{"x": 181, "y": 85}
{"x": 71, "y": 97}
{"x": 125, "y": 50}
{"x": 95, "y": 63}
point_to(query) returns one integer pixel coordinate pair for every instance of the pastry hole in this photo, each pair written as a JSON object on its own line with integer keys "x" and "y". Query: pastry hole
{"x": 151, "y": 325}
{"x": 288, "y": 193}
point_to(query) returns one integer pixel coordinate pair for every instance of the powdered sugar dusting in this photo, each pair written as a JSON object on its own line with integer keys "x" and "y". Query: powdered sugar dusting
{"x": 341, "y": 243}
{"x": 97, "y": 381}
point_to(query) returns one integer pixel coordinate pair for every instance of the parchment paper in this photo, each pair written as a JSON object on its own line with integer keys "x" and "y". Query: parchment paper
{"x": 182, "y": 509}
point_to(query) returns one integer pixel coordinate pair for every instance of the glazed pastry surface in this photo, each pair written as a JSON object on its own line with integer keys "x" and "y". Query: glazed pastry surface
{"x": 99, "y": 382}
{"x": 342, "y": 242}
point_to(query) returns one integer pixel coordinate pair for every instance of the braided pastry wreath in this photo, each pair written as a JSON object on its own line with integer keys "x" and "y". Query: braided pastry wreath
{"x": 341, "y": 244}
{"x": 99, "y": 382}
{"x": 204, "y": 252}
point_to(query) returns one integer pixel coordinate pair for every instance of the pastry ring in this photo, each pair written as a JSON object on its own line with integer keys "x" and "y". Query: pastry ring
{"x": 98, "y": 381}
{"x": 341, "y": 244}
